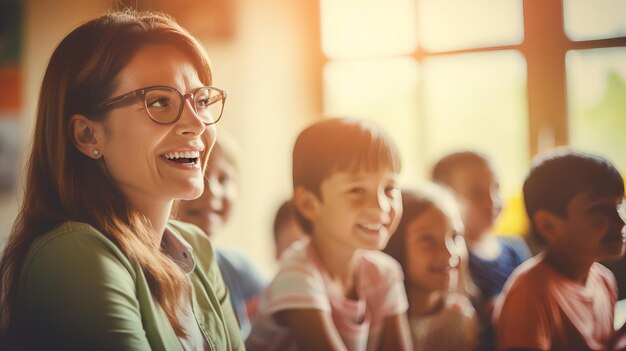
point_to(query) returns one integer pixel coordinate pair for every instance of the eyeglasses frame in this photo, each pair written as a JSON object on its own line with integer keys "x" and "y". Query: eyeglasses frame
{"x": 141, "y": 93}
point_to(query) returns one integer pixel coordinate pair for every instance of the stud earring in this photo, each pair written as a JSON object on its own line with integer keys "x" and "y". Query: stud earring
{"x": 95, "y": 152}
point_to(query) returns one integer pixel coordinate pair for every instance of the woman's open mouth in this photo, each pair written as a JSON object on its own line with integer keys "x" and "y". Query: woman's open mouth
{"x": 188, "y": 158}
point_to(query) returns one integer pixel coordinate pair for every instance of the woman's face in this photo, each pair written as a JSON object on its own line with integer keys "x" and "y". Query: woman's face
{"x": 134, "y": 147}
{"x": 211, "y": 210}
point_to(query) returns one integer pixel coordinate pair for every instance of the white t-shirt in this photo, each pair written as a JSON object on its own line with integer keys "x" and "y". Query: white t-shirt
{"x": 303, "y": 283}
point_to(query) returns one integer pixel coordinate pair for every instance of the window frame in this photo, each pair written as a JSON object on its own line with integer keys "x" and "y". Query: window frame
{"x": 544, "y": 48}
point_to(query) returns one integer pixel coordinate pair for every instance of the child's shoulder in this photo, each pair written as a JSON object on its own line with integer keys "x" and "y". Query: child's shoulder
{"x": 532, "y": 273}
{"x": 299, "y": 259}
{"x": 604, "y": 275}
{"x": 380, "y": 265}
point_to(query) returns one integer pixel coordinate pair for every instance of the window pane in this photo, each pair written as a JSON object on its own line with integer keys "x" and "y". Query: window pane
{"x": 461, "y": 24}
{"x": 585, "y": 19}
{"x": 384, "y": 91}
{"x": 478, "y": 101}
{"x": 596, "y": 83}
{"x": 368, "y": 28}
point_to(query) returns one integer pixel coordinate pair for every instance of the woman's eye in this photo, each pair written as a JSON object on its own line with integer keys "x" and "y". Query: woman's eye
{"x": 205, "y": 101}
{"x": 159, "y": 102}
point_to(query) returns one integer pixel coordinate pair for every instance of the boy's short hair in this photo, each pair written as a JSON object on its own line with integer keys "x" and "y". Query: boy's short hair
{"x": 335, "y": 145}
{"x": 557, "y": 176}
{"x": 451, "y": 163}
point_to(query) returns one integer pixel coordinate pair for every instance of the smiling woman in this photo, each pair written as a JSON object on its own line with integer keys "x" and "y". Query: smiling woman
{"x": 125, "y": 125}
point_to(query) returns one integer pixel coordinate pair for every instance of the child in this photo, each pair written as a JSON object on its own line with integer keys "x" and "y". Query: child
{"x": 491, "y": 260}
{"x": 338, "y": 292}
{"x": 428, "y": 244}
{"x": 287, "y": 230}
{"x": 563, "y": 299}
{"x": 210, "y": 212}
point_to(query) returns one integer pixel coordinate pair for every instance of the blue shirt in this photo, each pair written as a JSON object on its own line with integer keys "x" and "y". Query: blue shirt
{"x": 490, "y": 275}
{"x": 244, "y": 282}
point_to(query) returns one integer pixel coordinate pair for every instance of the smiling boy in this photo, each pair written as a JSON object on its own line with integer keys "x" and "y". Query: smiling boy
{"x": 338, "y": 291}
{"x": 563, "y": 299}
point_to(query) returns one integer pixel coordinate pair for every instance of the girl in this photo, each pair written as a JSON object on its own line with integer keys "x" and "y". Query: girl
{"x": 430, "y": 248}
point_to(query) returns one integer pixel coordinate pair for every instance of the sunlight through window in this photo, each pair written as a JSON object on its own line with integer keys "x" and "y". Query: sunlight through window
{"x": 596, "y": 83}
{"x": 461, "y": 24}
{"x": 595, "y": 19}
{"x": 384, "y": 91}
{"x": 368, "y": 28}
{"x": 479, "y": 101}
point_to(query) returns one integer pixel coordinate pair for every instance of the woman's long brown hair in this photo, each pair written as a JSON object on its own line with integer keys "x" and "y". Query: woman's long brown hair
{"x": 62, "y": 184}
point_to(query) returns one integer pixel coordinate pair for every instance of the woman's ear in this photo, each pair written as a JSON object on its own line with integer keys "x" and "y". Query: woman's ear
{"x": 306, "y": 202}
{"x": 548, "y": 225}
{"x": 83, "y": 132}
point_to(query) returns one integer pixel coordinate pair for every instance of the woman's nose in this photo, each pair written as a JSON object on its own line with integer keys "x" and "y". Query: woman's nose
{"x": 189, "y": 122}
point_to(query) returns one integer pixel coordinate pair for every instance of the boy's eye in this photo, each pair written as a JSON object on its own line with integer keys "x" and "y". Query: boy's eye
{"x": 604, "y": 210}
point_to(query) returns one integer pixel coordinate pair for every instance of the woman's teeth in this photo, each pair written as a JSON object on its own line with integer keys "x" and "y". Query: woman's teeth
{"x": 184, "y": 154}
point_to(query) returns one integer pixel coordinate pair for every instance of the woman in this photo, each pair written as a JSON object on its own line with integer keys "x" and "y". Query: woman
{"x": 125, "y": 125}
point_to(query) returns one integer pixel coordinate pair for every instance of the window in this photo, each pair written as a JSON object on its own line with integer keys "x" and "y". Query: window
{"x": 509, "y": 77}
{"x": 596, "y": 102}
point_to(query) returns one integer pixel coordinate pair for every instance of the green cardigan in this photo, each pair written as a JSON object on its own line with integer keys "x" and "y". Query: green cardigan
{"x": 77, "y": 290}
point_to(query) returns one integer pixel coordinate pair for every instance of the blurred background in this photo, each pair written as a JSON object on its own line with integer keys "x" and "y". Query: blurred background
{"x": 508, "y": 77}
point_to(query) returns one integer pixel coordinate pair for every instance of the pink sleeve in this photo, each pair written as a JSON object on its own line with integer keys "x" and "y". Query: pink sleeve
{"x": 389, "y": 287}
{"x": 297, "y": 288}
{"x": 521, "y": 318}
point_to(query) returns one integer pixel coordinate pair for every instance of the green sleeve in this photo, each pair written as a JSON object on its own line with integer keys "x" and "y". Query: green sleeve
{"x": 77, "y": 292}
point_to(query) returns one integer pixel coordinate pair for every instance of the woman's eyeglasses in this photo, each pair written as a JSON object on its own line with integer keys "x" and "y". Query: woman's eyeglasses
{"x": 165, "y": 104}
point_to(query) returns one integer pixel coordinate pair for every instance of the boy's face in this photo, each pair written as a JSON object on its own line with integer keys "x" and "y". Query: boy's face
{"x": 478, "y": 189}
{"x": 594, "y": 227}
{"x": 213, "y": 208}
{"x": 357, "y": 210}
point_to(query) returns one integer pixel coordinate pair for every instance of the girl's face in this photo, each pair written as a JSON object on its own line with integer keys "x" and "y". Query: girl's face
{"x": 431, "y": 252}
{"x": 211, "y": 210}
{"x": 135, "y": 149}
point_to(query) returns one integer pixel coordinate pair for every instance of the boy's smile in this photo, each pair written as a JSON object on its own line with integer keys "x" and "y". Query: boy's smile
{"x": 359, "y": 210}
